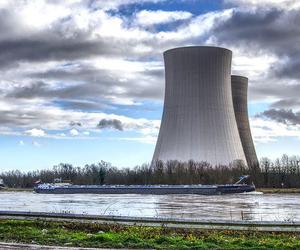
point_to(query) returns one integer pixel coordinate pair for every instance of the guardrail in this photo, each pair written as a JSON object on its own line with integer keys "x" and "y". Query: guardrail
{"x": 289, "y": 226}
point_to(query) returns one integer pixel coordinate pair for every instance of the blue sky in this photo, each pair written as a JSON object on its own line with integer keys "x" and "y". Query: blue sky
{"x": 83, "y": 81}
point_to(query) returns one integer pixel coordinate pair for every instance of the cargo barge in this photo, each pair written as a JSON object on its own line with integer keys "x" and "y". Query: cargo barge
{"x": 47, "y": 188}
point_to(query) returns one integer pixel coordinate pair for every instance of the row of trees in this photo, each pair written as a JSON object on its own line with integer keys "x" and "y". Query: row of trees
{"x": 284, "y": 172}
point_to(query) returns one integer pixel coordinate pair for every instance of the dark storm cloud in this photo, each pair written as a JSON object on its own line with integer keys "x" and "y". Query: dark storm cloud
{"x": 88, "y": 83}
{"x": 84, "y": 74}
{"x": 264, "y": 31}
{"x": 28, "y": 92}
{"x": 276, "y": 89}
{"x": 24, "y": 118}
{"x": 287, "y": 103}
{"x": 87, "y": 73}
{"x": 248, "y": 26}
{"x": 24, "y": 50}
{"x": 290, "y": 69}
{"x": 62, "y": 41}
{"x": 8, "y": 119}
{"x": 279, "y": 89}
{"x": 75, "y": 97}
{"x": 7, "y": 22}
{"x": 285, "y": 116}
{"x": 91, "y": 87}
{"x": 112, "y": 123}
{"x": 271, "y": 30}
{"x": 75, "y": 124}
{"x": 82, "y": 105}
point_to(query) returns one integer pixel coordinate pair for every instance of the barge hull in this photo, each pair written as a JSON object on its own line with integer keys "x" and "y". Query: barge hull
{"x": 205, "y": 190}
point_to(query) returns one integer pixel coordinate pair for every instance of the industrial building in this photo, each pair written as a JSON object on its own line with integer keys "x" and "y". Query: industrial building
{"x": 199, "y": 121}
{"x": 239, "y": 88}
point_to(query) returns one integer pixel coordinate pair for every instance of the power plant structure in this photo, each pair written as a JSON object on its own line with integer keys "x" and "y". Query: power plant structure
{"x": 239, "y": 88}
{"x": 199, "y": 116}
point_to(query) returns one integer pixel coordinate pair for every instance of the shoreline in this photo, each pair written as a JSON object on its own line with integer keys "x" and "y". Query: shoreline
{"x": 16, "y": 190}
{"x": 264, "y": 190}
{"x": 279, "y": 190}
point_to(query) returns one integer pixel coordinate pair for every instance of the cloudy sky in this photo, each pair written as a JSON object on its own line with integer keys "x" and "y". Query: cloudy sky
{"x": 83, "y": 81}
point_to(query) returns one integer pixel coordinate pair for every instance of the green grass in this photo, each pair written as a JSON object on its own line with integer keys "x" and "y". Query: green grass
{"x": 117, "y": 236}
{"x": 279, "y": 190}
{"x": 6, "y": 189}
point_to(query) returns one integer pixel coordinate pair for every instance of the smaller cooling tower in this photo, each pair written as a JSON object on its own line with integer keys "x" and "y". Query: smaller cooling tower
{"x": 239, "y": 88}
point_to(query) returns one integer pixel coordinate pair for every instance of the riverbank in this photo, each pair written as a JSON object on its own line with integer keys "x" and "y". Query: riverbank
{"x": 279, "y": 190}
{"x": 264, "y": 190}
{"x": 16, "y": 189}
{"x": 120, "y": 236}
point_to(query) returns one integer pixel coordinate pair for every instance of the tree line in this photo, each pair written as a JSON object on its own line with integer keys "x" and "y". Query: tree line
{"x": 283, "y": 172}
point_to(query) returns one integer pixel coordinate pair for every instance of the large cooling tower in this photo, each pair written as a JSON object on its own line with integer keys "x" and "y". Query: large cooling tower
{"x": 239, "y": 85}
{"x": 198, "y": 121}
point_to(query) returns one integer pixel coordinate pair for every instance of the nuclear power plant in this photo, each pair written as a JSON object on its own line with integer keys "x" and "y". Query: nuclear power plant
{"x": 204, "y": 117}
{"x": 239, "y": 89}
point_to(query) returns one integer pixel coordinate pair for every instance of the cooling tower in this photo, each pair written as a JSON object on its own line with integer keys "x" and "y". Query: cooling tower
{"x": 239, "y": 86}
{"x": 198, "y": 121}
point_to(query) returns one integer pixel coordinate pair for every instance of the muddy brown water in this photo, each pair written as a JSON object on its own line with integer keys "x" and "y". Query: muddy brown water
{"x": 253, "y": 207}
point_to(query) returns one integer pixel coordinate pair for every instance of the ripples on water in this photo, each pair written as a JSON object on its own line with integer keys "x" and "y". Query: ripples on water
{"x": 266, "y": 207}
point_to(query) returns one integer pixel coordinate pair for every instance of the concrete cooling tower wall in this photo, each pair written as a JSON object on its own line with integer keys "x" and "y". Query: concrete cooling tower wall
{"x": 198, "y": 121}
{"x": 239, "y": 85}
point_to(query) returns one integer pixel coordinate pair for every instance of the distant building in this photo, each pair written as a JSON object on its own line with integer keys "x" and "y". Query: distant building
{"x": 198, "y": 121}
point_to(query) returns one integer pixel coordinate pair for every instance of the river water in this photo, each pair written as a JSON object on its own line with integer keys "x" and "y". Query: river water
{"x": 254, "y": 207}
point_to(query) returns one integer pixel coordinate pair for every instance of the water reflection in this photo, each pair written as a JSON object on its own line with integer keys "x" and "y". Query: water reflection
{"x": 267, "y": 207}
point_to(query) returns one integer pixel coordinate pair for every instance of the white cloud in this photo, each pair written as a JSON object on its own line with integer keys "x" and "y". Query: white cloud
{"x": 151, "y": 17}
{"x": 115, "y": 27}
{"x": 35, "y": 132}
{"x": 264, "y": 131}
{"x": 74, "y": 132}
{"x": 38, "y": 119}
{"x": 281, "y": 4}
{"x": 21, "y": 143}
{"x": 128, "y": 70}
{"x": 40, "y": 14}
{"x": 252, "y": 64}
{"x": 198, "y": 28}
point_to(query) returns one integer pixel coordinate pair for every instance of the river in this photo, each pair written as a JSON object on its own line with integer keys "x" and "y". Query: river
{"x": 253, "y": 207}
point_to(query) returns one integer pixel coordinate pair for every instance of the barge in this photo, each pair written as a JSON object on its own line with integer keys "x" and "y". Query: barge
{"x": 238, "y": 187}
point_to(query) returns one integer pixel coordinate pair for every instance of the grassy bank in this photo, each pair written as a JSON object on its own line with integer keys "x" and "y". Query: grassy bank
{"x": 16, "y": 189}
{"x": 279, "y": 190}
{"x": 103, "y": 235}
